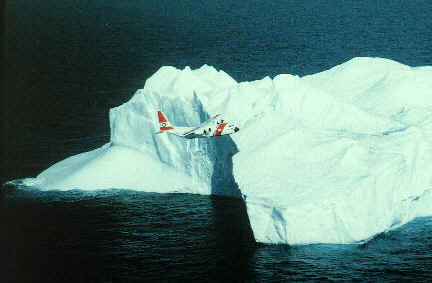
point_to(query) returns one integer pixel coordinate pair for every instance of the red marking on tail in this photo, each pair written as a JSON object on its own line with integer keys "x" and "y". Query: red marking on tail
{"x": 219, "y": 129}
{"x": 163, "y": 122}
{"x": 161, "y": 117}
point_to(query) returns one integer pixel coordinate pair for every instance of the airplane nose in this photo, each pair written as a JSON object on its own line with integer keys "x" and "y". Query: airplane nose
{"x": 236, "y": 129}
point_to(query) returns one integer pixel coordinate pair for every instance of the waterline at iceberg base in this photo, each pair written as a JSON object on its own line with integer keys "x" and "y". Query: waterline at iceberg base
{"x": 334, "y": 157}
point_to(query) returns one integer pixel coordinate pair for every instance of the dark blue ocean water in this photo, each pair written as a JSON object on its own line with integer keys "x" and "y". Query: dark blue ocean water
{"x": 129, "y": 236}
{"x": 68, "y": 62}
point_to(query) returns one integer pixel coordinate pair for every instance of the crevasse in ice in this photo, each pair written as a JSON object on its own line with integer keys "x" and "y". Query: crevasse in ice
{"x": 334, "y": 157}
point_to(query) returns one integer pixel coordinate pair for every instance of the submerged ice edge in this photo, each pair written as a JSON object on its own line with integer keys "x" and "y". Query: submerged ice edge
{"x": 276, "y": 225}
{"x": 339, "y": 152}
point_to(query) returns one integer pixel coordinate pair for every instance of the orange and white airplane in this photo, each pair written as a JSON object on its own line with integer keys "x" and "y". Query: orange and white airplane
{"x": 213, "y": 127}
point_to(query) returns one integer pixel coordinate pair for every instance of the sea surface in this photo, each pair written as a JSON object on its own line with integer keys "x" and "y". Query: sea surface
{"x": 69, "y": 62}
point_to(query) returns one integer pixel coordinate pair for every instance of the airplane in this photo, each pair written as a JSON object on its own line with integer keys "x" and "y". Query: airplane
{"x": 213, "y": 127}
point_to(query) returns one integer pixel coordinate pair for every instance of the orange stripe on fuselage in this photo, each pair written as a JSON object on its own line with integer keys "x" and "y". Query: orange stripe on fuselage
{"x": 219, "y": 129}
{"x": 161, "y": 117}
{"x": 166, "y": 128}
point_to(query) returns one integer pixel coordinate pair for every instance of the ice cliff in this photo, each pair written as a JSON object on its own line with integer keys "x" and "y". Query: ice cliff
{"x": 334, "y": 157}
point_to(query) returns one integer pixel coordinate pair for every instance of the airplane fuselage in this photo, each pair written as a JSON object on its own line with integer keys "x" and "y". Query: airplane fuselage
{"x": 214, "y": 127}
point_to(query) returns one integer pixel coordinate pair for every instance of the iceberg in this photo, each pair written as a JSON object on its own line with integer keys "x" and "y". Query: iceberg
{"x": 333, "y": 157}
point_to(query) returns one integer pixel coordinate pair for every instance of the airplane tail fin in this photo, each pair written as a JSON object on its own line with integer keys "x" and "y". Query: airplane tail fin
{"x": 164, "y": 124}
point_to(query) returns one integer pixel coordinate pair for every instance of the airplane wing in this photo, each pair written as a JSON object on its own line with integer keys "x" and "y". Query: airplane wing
{"x": 206, "y": 129}
{"x": 189, "y": 131}
{"x": 179, "y": 131}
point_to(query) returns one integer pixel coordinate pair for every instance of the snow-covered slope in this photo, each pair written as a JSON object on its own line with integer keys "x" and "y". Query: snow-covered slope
{"x": 334, "y": 157}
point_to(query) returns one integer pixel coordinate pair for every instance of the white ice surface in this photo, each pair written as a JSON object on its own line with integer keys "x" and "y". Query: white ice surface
{"x": 334, "y": 157}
